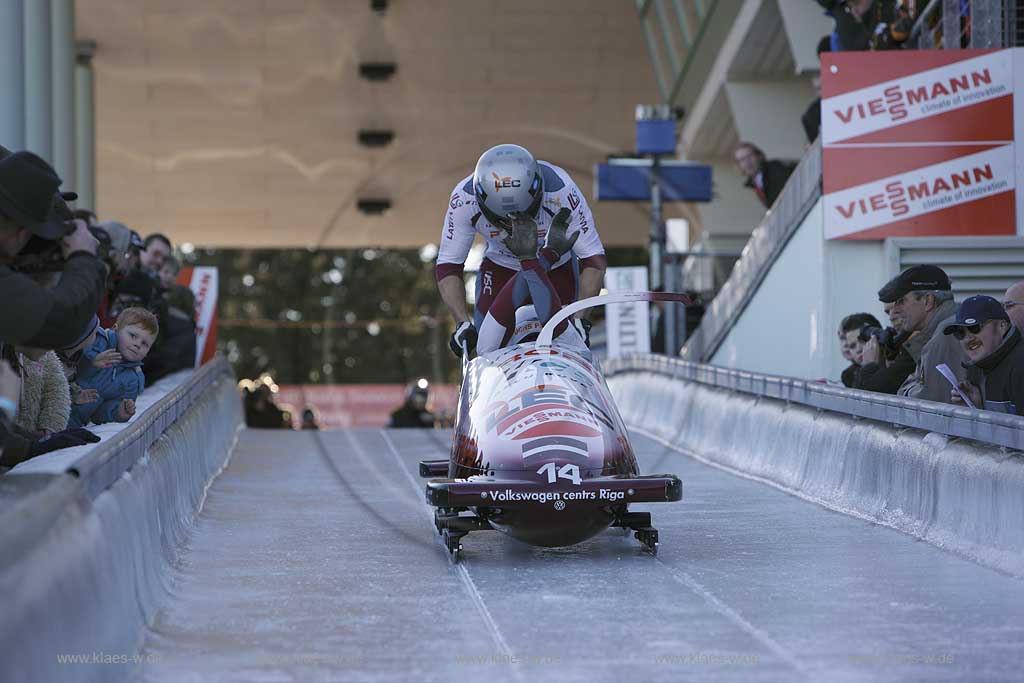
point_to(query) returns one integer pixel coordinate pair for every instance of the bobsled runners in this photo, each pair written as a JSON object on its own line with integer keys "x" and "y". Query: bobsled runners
{"x": 540, "y": 452}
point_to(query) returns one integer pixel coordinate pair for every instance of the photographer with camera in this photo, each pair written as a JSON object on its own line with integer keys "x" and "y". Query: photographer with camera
{"x": 39, "y": 235}
{"x": 37, "y": 232}
{"x": 922, "y": 301}
{"x": 885, "y": 364}
{"x": 851, "y": 343}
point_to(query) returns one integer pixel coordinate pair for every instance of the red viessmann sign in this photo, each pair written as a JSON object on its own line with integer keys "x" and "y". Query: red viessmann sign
{"x": 920, "y": 143}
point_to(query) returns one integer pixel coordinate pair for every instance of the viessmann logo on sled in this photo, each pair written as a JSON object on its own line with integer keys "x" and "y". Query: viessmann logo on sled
{"x": 920, "y": 191}
{"x": 921, "y": 95}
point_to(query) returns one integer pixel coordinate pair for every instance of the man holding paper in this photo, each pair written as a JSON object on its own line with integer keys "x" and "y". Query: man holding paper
{"x": 995, "y": 371}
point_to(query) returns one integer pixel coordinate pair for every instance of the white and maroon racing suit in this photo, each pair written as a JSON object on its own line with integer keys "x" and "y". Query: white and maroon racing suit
{"x": 464, "y": 220}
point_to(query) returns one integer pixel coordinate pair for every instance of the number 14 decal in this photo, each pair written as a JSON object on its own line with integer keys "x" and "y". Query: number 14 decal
{"x": 570, "y": 472}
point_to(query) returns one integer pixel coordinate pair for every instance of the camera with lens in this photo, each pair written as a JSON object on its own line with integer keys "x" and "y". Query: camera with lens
{"x": 889, "y": 340}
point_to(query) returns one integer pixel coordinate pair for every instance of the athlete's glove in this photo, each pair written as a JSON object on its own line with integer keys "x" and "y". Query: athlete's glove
{"x": 586, "y": 325}
{"x": 464, "y": 335}
{"x": 557, "y": 240}
{"x": 521, "y": 240}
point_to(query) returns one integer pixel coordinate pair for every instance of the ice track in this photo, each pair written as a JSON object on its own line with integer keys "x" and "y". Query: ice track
{"x": 315, "y": 559}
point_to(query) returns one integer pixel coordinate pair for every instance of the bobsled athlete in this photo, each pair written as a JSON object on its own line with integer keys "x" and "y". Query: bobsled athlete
{"x": 509, "y": 320}
{"x": 508, "y": 180}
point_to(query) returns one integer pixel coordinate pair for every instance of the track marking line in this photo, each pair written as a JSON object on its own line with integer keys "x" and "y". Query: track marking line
{"x": 732, "y": 615}
{"x": 463, "y": 572}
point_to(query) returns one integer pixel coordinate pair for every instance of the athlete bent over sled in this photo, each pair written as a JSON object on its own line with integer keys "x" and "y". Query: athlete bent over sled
{"x": 508, "y": 180}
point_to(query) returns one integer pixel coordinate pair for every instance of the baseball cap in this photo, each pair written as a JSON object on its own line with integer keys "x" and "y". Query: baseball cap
{"x": 914, "y": 278}
{"x": 976, "y": 310}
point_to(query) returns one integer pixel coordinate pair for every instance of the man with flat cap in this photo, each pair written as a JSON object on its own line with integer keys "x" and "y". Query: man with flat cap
{"x": 995, "y": 369}
{"x": 31, "y": 206}
{"x": 922, "y": 301}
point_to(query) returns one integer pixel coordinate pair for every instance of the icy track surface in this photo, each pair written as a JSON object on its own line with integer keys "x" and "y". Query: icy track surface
{"x": 315, "y": 559}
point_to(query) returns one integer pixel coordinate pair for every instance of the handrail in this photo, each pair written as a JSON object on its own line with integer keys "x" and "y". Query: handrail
{"x": 102, "y": 466}
{"x": 767, "y": 241}
{"x": 979, "y": 425}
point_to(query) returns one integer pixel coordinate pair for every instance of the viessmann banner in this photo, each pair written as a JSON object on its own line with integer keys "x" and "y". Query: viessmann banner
{"x": 921, "y": 143}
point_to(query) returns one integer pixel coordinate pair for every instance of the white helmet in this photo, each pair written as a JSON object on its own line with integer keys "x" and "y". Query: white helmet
{"x": 507, "y": 180}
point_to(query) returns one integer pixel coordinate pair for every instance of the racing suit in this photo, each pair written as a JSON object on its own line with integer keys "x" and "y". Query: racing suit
{"x": 464, "y": 220}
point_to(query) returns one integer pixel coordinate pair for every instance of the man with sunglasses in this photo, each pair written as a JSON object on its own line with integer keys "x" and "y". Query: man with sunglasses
{"x": 509, "y": 183}
{"x": 995, "y": 369}
{"x": 922, "y": 299}
{"x": 1013, "y": 302}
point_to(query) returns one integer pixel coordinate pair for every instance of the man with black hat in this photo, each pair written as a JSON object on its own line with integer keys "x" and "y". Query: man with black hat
{"x": 32, "y": 207}
{"x": 995, "y": 369}
{"x": 922, "y": 301}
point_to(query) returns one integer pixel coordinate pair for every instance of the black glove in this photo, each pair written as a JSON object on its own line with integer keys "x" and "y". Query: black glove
{"x": 556, "y": 239}
{"x": 522, "y": 239}
{"x": 58, "y": 440}
{"x": 465, "y": 334}
{"x": 586, "y": 325}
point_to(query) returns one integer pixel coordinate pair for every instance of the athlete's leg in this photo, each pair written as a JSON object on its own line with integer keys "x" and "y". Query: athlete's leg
{"x": 490, "y": 280}
{"x": 566, "y": 279}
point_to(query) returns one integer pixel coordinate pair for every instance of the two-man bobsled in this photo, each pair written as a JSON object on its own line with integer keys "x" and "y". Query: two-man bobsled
{"x": 540, "y": 451}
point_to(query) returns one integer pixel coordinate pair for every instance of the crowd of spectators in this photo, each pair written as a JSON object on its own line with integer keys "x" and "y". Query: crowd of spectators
{"x": 91, "y": 314}
{"x": 937, "y": 350}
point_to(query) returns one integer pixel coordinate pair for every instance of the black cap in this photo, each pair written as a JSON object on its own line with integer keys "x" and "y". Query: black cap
{"x": 29, "y": 195}
{"x": 975, "y": 310}
{"x": 914, "y": 278}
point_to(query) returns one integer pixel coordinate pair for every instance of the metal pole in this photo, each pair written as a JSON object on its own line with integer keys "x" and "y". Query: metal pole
{"x": 38, "y": 79}
{"x": 12, "y": 75}
{"x": 657, "y": 229}
{"x": 671, "y": 309}
{"x": 85, "y": 127}
{"x": 62, "y": 17}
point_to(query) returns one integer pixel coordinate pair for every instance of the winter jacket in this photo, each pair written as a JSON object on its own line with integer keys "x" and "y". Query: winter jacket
{"x": 113, "y": 385}
{"x": 51, "y": 318}
{"x": 45, "y": 404}
{"x": 1000, "y": 376}
{"x": 883, "y": 378}
{"x": 175, "y": 348}
{"x": 774, "y": 174}
{"x": 930, "y": 348}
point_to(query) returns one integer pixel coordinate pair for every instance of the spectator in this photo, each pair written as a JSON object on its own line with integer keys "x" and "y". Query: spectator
{"x": 261, "y": 411}
{"x": 155, "y": 250}
{"x": 811, "y": 119}
{"x": 765, "y": 177}
{"x": 30, "y": 207}
{"x": 169, "y": 272}
{"x": 136, "y": 289}
{"x": 851, "y": 341}
{"x": 45, "y": 404}
{"x": 885, "y": 364}
{"x": 122, "y": 257}
{"x": 175, "y": 348}
{"x": 413, "y": 411}
{"x": 1013, "y": 304}
{"x": 922, "y": 300}
{"x": 112, "y": 366}
{"x": 995, "y": 370}
{"x": 10, "y": 392}
{"x": 309, "y": 419}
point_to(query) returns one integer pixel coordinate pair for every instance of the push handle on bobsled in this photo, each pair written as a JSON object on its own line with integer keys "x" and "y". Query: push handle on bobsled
{"x": 548, "y": 331}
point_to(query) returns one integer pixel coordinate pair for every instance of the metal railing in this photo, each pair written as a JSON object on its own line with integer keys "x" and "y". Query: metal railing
{"x": 950, "y": 25}
{"x": 979, "y": 425}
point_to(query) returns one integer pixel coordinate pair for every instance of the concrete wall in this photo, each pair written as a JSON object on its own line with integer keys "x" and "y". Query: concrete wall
{"x": 789, "y": 327}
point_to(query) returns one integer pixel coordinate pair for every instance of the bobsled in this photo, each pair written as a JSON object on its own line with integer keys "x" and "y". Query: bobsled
{"x": 540, "y": 451}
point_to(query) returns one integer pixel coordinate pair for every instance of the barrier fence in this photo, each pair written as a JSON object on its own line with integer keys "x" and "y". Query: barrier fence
{"x": 87, "y": 554}
{"x": 944, "y": 474}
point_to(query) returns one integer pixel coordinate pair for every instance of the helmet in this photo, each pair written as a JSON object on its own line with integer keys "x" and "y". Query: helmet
{"x": 507, "y": 180}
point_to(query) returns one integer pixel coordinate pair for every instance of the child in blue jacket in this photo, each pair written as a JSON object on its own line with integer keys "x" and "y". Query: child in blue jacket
{"x": 113, "y": 367}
